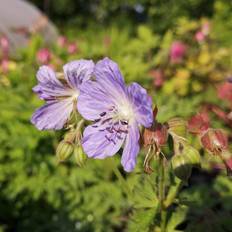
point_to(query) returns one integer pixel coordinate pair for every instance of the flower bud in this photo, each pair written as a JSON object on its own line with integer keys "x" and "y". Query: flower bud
{"x": 64, "y": 151}
{"x": 80, "y": 156}
{"x": 181, "y": 167}
{"x": 182, "y": 148}
{"x": 177, "y": 126}
{"x": 215, "y": 141}
{"x": 198, "y": 123}
{"x": 157, "y": 134}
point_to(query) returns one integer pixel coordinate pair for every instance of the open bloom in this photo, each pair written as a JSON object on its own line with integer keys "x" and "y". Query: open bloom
{"x": 60, "y": 96}
{"x": 117, "y": 111}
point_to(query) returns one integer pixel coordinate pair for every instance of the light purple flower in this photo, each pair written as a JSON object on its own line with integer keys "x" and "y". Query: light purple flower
{"x": 60, "y": 97}
{"x": 117, "y": 111}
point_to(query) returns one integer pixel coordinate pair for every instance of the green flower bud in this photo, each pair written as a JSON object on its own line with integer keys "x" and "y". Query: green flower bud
{"x": 181, "y": 167}
{"x": 177, "y": 126}
{"x": 80, "y": 156}
{"x": 193, "y": 155}
{"x": 64, "y": 151}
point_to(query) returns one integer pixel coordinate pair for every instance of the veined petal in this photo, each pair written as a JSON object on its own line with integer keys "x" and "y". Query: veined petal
{"x": 142, "y": 104}
{"x": 93, "y": 100}
{"x": 49, "y": 86}
{"x": 78, "y": 71}
{"x": 107, "y": 73}
{"x": 100, "y": 144}
{"x": 53, "y": 115}
{"x": 131, "y": 149}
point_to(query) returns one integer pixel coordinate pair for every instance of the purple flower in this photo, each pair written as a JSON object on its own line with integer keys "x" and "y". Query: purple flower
{"x": 117, "y": 111}
{"x": 60, "y": 97}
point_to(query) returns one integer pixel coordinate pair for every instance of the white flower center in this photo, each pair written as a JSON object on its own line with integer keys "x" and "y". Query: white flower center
{"x": 125, "y": 111}
{"x": 75, "y": 94}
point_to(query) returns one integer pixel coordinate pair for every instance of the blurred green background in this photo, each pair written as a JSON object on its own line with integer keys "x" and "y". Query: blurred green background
{"x": 38, "y": 195}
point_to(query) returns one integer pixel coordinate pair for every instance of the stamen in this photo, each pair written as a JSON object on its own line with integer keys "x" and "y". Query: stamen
{"x": 103, "y": 114}
{"x": 124, "y": 122}
{"x": 106, "y": 120}
{"x": 97, "y": 120}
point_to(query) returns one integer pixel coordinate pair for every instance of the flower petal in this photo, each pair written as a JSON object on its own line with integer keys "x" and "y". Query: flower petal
{"x": 107, "y": 73}
{"x": 53, "y": 115}
{"x": 93, "y": 100}
{"x": 78, "y": 71}
{"x": 131, "y": 149}
{"x": 49, "y": 86}
{"x": 142, "y": 104}
{"x": 99, "y": 144}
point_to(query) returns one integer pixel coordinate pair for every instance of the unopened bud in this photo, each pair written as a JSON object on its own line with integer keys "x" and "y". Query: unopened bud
{"x": 182, "y": 148}
{"x": 80, "y": 156}
{"x": 158, "y": 134}
{"x": 177, "y": 126}
{"x": 64, "y": 151}
{"x": 215, "y": 141}
{"x": 198, "y": 124}
{"x": 181, "y": 167}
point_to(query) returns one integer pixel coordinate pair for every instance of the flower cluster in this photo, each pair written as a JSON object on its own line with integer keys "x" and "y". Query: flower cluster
{"x": 98, "y": 92}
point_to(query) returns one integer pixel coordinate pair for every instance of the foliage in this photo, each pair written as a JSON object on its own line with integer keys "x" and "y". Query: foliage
{"x": 37, "y": 194}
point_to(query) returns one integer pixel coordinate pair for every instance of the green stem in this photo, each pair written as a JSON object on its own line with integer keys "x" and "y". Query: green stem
{"x": 174, "y": 190}
{"x": 163, "y": 212}
{"x": 121, "y": 179}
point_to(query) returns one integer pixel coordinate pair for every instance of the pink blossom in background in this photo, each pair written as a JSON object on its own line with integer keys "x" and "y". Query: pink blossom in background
{"x": 43, "y": 56}
{"x": 225, "y": 91}
{"x": 4, "y": 65}
{"x": 62, "y": 41}
{"x": 158, "y": 77}
{"x": 199, "y": 36}
{"x": 205, "y": 28}
{"x": 4, "y": 46}
{"x": 177, "y": 51}
{"x": 72, "y": 48}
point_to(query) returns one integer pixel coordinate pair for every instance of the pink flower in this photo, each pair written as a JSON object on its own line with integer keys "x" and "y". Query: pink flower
{"x": 177, "y": 52}
{"x": 62, "y": 41}
{"x": 158, "y": 77}
{"x": 198, "y": 124}
{"x": 199, "y": 36}
{"x": 225, "y": 91}
{"x": 4, "y": 65}
{"x": 4, "y": 46}
{"x": 43, "y": 56}
{"x": 205, "y": 28}
{"x": 72, "y": 48}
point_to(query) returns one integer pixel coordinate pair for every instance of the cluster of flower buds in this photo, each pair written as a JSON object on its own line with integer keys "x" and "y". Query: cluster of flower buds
{"x": 215, "y": 141}
{"x": 71, "y": 145}
{"x": 185, "y": 156}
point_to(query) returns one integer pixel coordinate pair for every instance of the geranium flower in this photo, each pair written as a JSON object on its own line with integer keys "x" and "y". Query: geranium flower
{"x": 43, "y": 56}
{"x": 117, "y": 111}
{"x": 60, "y": 97}
{"x": 178, "y": 51}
